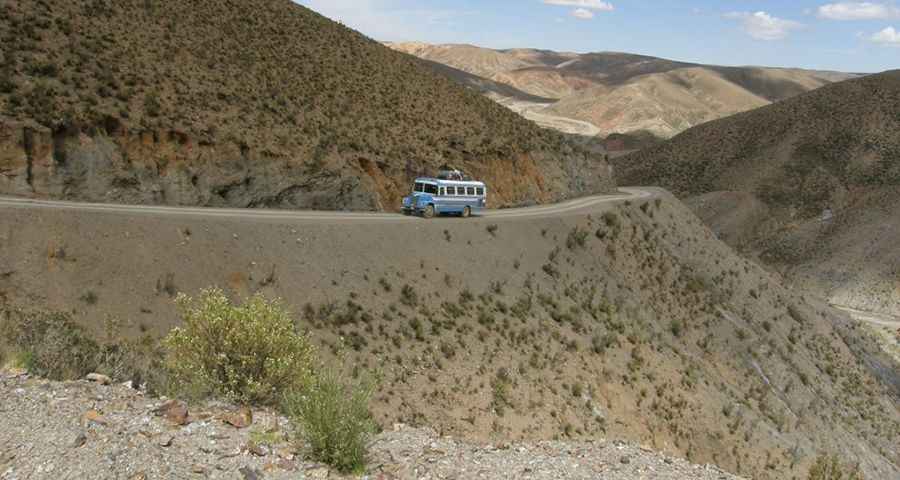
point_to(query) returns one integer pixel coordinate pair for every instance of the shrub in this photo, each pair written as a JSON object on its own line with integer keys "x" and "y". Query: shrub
{"x": 676, "y": 327}
{"x": 408, "y": 296}
{"x": 501, "y": 387}
{"x": 577, "y": 238}
{"x": 51, "y": 345}
{"x": 829, "y": 468}
{"x": 612, "y": 220}
{"x": 492, "y": 229}
{"x": 331, "y": 418}
{"x": 249, "y": 353}
{"x": 152, "y": 105}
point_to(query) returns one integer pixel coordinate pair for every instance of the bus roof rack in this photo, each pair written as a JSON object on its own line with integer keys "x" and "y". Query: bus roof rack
{"x": 450, "y": 173}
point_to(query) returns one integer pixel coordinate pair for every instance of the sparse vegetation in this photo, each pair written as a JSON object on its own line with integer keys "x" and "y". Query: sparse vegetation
{"x": 332, "y": 420}
{"x": 829, "y": 467}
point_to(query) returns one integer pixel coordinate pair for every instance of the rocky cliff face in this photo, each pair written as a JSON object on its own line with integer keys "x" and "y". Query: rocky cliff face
{"x": 111, "y": 164}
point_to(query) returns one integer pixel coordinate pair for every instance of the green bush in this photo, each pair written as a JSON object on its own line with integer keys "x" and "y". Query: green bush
{"x": 250, "y": 353}
{"x": 829, "y": 467}
{"x": 331, "y": 418}
{"x": 50, "y": 344}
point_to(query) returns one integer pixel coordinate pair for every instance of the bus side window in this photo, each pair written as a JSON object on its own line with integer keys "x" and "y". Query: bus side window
{"x": 479, "y": 191}
{"x": 470, "y": 190}
{"x": 442, "y": 191}
{"x": 451, "y": 190}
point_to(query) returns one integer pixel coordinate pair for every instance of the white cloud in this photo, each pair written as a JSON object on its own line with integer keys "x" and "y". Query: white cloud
{"x": 583, "y": 13}
{"x": 762, "y": 26}
{"x": 584, "y": 8}
{"x": 583, "y": 4}
{"x": 858, "y": 11}
{"x": 889, "y": 36}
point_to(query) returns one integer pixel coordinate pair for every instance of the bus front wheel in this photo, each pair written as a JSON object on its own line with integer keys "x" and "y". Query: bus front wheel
{"x": 428, "y": 212}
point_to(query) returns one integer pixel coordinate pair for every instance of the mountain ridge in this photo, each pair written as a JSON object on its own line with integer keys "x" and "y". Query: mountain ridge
{"x": 585, "y": 84}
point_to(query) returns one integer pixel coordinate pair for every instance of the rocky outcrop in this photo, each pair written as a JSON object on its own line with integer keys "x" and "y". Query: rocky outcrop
{"x": 110, "y": 163}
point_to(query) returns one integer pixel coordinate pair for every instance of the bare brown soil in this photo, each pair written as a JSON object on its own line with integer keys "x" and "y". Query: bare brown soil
{"x": 626, "y": 321}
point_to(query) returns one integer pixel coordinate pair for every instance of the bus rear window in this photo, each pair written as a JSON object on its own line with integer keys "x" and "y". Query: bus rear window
{"x": 479, "y": 191}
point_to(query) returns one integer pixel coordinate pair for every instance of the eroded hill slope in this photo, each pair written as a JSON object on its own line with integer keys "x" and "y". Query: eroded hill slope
{"x": 627, "y": 321}
{"x": 810, "y": 185}
{"x": 213, "y": 103}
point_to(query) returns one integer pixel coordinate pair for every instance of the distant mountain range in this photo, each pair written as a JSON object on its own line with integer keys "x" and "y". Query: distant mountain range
{"x": 621, "y": 92}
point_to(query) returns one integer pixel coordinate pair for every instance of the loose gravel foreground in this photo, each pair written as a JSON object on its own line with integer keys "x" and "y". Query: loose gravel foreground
{"x": 86, "y": 429}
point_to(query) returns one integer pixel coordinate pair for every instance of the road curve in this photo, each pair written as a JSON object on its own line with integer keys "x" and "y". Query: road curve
{"x": 571, "y": 206}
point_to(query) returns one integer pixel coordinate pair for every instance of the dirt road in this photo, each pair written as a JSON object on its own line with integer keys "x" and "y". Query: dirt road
{"x": 871, "y": 317}
{"x": 571, "y": 206}
{"x": 535, "y": 112}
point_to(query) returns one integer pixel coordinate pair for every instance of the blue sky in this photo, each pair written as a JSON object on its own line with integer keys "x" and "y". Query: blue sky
{"x": 846, "y": 36}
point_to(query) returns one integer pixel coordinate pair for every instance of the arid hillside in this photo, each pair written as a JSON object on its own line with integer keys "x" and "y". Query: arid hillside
{"x": 810, "y": 185}
{"x": 662, "y": 104}
{"x": 213, "y": 103}
{"x": 622, "y": 321}
{"x": 627, "y": 93}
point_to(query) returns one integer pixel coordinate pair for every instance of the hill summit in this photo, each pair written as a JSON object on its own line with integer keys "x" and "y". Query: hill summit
{"x": 213, "y": 103}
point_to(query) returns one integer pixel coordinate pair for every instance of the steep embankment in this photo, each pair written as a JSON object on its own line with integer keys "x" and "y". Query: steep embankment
{"x": 623, "y": 321}
{"x": 211, "y": 103}
{"x": 809, "y": 184}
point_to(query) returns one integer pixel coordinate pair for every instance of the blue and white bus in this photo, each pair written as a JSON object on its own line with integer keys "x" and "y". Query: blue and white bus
{"x": 446, "y": 194}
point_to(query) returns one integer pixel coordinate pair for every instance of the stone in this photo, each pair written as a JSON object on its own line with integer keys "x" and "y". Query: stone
{"x": 79, "y": 441}
{"x": 285, "y": 453}
{"x": 317, "y": 472}
{"x": 98, "y": 378}
{"x": 198, "y": 469}
{"x": 256, "y": 449}
{"x": 16, "y": 372}
{"x": 139, "y": 476}
{"x": 242, "y": 418}
{"x": 165, "y": 441}
{"x": 625, "y": 460}
{"x": 175, "y": 411}
{"x": 93, "y": 416}
{"x": 248, "y": 473}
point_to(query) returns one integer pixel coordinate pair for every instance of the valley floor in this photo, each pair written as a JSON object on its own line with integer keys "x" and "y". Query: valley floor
{"x": 87, "y": 430}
